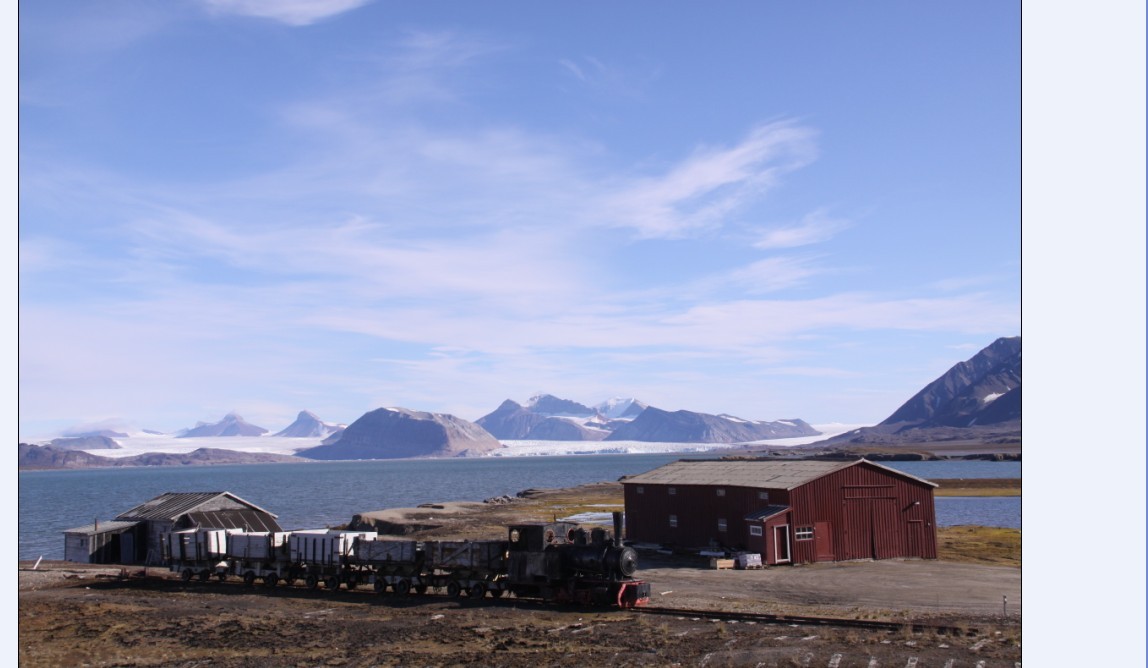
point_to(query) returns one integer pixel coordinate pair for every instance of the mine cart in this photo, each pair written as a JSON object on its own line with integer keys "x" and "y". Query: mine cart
{"x": 475, "y": 567}
{"x": 394, "y": 564}
{"x": 259, "y": 554}
{"x": 326, "y": 555}
{"x": 196, "y": 552}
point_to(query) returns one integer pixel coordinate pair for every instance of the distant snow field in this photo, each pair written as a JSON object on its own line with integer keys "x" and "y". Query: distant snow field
{"x": 141, "y": 443}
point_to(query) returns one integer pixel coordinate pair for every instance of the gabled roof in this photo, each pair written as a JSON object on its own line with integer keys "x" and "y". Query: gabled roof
{"x": 171, "y": 505}
{"x": 762, "y": 474}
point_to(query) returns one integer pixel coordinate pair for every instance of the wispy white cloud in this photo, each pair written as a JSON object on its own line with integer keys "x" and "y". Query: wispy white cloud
{"x": 814, "y": 228}
{"x": 704, "y": 189}
{"x": 291, "y": 12}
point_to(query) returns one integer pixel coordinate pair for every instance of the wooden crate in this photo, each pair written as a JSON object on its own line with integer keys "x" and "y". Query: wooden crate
{"x": 721, "y": 564}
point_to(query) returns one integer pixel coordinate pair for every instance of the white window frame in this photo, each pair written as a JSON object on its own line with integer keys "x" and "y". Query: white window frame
{"x": 755, "y": 530}
{"x": 673, "y": 521}
{"x": 803, "y": 533}
{"x": 763, "y": 496}
{"x": 722, "y": 525}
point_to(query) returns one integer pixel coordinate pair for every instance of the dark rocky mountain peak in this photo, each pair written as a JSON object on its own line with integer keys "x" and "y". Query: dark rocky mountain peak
{"x": 510, "y": 421}
{"x": 657, "y": 425}
{"x": 962, "y": 396}
{"x": 551, "y": 406}
{"x": 393, "y": 433}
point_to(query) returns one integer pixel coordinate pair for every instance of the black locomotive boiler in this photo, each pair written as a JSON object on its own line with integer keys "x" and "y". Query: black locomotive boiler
{"x": 564, "y": 562}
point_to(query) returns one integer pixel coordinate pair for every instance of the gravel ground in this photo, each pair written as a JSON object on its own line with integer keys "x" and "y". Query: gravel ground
{"x": 73, "y": 616}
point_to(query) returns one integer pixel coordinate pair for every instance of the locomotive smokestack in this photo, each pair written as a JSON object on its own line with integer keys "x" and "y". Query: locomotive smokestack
{"x": 617, "y": 529}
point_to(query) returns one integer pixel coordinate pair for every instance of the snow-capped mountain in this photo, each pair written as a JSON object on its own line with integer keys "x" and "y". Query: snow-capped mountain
{"x": 308, "y": 425}
{"x": 619, "y": 408}
{"x": 232, "y": 424}
{"x": 548, "y": 418}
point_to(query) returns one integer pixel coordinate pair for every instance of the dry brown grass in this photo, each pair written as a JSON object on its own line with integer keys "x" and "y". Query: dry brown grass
{"x": 978, "y": 487}
{"x": 979, "y": 545}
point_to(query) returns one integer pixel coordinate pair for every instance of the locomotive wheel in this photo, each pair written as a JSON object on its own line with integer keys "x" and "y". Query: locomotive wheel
{"x": 477, "y": 590}
{"x": 332, "y": 583}
{"x": 380, "y": 586}
{"x": 204, "y": 576}
{"x": 249, "y": 578}
{"x": 312, "y": 581}
{"x": 271, "y": 580}
{"x": 403, "y": 587}
{"x": 186, "y": 575}
{"x": 496, "y": 593}
{"x": 453, "y": 589}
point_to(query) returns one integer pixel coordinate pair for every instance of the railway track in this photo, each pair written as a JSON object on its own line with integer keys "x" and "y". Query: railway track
{"x": 766, "y": 618}
{"x": 235, "y": 586}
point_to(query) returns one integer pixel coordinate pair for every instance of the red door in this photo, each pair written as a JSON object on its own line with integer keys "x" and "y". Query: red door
{"x": 823, "y": 539}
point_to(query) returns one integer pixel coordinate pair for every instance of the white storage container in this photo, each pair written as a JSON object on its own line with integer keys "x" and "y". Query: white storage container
{"x": 324, "y": 547}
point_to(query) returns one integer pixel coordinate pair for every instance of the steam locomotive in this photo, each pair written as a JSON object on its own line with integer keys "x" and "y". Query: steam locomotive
{"x": 556, "y": 561}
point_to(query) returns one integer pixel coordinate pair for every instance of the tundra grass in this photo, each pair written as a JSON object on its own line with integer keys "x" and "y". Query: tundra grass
{"x": 979, "y": 545}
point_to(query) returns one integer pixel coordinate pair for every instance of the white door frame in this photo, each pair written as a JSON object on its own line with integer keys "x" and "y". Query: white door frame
{"x": 781, "y": 531}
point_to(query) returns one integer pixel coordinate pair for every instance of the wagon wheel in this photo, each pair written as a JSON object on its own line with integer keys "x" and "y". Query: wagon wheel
{"x": 453, "y": 589}
{"x": 352, "y": 582}
{"x": 496, "y": 593}
{"x": 249, "y": 578}
{"x": 312, "y": 581}
{"x": 221, "y": 576}
{"x": 204, "y": 576}
{"x": 332, "y": 583}
{"x": 186, "y": 575}
{"x": 270, "y": 580}
{"x": 403, "y": 587}
{"x": 420, "y": 589}
{"x": 477, "y": 590}
{"x": 380, "y": 585}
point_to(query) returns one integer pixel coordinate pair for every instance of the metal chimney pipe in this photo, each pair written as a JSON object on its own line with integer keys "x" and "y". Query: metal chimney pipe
{"x": 617, "y": 529}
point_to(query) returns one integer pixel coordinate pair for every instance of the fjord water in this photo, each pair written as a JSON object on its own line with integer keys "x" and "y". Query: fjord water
{"x": 323, "y": 494}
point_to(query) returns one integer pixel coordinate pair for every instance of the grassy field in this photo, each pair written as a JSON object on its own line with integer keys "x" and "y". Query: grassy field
{"x": 977, "y": 487}
{"x": 979, "y": 545}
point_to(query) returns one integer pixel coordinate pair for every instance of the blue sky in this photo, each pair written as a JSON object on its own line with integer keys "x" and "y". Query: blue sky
{"x": 774, "y": 210}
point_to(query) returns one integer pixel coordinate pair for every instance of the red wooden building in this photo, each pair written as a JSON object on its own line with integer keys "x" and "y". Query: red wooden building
{"x": 788, "y": 511}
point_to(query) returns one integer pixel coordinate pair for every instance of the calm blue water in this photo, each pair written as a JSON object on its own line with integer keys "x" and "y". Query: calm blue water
{"x": 322, "y": 494}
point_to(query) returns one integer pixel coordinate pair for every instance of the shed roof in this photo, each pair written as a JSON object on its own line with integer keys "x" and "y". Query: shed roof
{"x": 170, "y": 505}
{"x": 763, "y": 474}
{"x": 102, "y": 527}
{"x": 766, "y": 513}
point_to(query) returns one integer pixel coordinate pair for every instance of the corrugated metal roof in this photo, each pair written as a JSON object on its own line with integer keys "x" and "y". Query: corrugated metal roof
{"x": 102, "y": 527}
{"x": 234, "y": 519}
{"x": 767, "y": 512}
{"x": 762, "y": 474}
{"x": 170, "y": 505}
